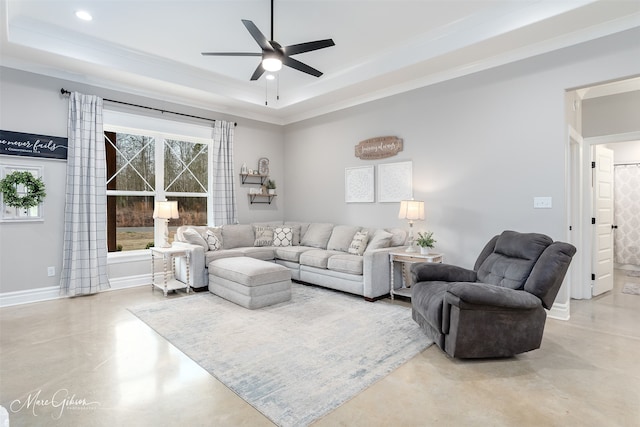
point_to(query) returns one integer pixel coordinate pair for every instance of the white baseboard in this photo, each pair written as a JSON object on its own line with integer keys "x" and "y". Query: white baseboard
{"x": 29, "y": 296}
{"x": 559, "y": 311}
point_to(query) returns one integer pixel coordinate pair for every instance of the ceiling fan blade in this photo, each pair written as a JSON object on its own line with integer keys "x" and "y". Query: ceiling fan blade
{"x": 258, "y": 72}
{"x": 295, "y": 49}
{"x": 257, "y": 35}
{"x": 293, "y": 63}
{"x": 230, "y": 54}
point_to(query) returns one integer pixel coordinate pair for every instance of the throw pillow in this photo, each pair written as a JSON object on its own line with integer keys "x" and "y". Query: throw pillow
{"x": 282, "y": 236}
{"x": 359, "y": 243}
{"x": 264, "y": 236}
{"x": 213, "y": 241}
{"x": 195, "y": 238}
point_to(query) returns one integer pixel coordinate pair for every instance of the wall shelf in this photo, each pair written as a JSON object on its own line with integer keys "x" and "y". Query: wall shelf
{"x": 260, "y": 198}
{"x": 245, "y": 176}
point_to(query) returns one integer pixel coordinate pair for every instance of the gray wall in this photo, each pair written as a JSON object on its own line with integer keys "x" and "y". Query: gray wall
{"x": 482, "y": 146}
{"x": 609, "y": 115}
{"x": 32, "y": 103}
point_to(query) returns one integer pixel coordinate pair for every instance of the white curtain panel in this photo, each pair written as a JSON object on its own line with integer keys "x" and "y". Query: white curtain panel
{"x": 223, "y": 188}
{"x": 627, "y": 214}
{"x": 84, "y": 263}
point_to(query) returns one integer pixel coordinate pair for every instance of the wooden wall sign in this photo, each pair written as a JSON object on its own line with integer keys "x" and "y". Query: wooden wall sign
{"x": 378, "y": 148}
{"x": 27, "y": 144}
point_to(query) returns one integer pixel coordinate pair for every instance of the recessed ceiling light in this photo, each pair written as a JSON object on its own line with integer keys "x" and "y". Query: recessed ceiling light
{"x": 270, "y": 77}
{"x": 84, "y": 15}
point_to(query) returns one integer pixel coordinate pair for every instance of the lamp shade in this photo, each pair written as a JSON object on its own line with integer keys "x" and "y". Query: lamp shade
{"x": 411, "y": 210}
{"x": 166, "y": 209}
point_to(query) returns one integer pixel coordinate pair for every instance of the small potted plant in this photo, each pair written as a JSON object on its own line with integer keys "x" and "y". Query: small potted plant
{"x": 425, "y": 240}
{"x": 271, "y": 186}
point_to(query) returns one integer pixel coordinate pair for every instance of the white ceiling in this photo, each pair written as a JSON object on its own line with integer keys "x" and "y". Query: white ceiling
{"x": 151, "y": 47}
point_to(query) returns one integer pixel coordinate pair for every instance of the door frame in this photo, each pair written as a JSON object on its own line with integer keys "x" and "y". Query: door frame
{"x": 580, "y": 205}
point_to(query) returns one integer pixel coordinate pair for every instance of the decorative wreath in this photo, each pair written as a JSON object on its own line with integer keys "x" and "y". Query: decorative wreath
{"x": 35, "y": 190}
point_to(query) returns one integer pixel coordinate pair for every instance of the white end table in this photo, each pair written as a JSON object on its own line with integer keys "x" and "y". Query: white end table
{"x": 169, "y": 281}
{"x": 405, "y": 259}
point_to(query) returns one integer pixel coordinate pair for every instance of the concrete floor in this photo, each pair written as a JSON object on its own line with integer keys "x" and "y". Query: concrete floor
{"x": 89, "y": 362}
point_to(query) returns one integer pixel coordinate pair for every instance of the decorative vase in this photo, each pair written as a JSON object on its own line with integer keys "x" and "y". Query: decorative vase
{"x": 272, "y": 191}
{"x": 424, "y": 250}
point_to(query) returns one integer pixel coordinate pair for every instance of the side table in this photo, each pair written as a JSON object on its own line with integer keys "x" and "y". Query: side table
{"x": 169, "y": 281}
{"x": 405, "y": 259}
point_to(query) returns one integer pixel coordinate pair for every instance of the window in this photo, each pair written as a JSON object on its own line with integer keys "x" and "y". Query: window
{"x": 144, "y": 165}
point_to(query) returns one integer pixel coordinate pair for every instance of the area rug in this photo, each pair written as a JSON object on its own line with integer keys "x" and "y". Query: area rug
{"x": 631, "y": 288}
{"x": 295, "y": 361}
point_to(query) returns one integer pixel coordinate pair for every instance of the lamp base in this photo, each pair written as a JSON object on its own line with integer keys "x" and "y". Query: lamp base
{"x": 411, "y": 249}
{"x": 164, "y": 243}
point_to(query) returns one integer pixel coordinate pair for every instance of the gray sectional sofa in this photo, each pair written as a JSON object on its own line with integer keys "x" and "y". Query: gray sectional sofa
{"x": 347, "y": 258}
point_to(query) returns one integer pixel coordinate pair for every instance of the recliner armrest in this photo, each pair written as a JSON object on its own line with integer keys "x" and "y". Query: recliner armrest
{"x": 432, "y": 272}
{"x": 471, "y": 295}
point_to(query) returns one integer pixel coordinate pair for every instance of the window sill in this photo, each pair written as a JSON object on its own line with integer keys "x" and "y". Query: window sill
{"x": 128, "y": 256}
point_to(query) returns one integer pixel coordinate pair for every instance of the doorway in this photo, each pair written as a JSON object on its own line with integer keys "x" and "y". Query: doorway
{"x": 580, "y": 186}
{"x": 581, "y": 204}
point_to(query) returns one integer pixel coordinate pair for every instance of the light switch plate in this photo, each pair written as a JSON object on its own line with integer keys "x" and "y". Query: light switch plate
{"x": 542, "y": 203}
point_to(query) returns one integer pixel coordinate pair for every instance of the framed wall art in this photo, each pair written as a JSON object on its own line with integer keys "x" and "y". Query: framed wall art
{"x": 26, "y": 181}
{"x": 359, "y": 184}
{"x": 395, "y": 181}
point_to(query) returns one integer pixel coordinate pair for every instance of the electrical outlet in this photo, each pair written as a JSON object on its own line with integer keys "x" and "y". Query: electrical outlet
{"x": 542, "y": 203}
{"x": 51, "y": 271}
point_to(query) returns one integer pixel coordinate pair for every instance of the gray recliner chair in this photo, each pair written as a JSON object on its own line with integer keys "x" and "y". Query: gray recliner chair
{"x": 498, "y": 308}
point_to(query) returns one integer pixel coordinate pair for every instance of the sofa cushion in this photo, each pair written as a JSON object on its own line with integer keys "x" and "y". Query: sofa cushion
{"x": 283, "y": 236}
{"x": 192, "y": 236}
{"x": 317, "y": 236}
{"x": 291, "y": 253}
{"x": 264, "y": 235}
{"x": 380, "y": 239}
{"x": 345, "y": 263}
{"x": 399, "y": 236}
{"x": 317, "y": 257}
{"x": 224, "y": 253}
{"x": 341, "y": 237}
{"x": 265, "y": 253}
{"x": 237, "y": 235}
{"x": 359, "y": 243}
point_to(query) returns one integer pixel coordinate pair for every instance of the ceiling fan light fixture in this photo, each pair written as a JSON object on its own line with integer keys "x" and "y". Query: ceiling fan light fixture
{"x": 84, "y": 15}
{"x": 271, "y": 64}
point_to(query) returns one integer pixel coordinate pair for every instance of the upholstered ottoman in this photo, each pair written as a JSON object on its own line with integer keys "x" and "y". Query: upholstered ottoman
{"x": 250, "y": 282}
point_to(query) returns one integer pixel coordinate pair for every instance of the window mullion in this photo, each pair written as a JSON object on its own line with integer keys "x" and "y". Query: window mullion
{"x": 210, "y": 184}
{"x": 160, "y": 194}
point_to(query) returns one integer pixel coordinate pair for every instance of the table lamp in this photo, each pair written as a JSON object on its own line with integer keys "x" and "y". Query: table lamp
{"x": 411, "y": 210}
{"x": 164, "y": 211}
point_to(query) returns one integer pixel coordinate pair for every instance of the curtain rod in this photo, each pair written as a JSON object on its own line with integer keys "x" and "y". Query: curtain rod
{"x": 66, "y": 92}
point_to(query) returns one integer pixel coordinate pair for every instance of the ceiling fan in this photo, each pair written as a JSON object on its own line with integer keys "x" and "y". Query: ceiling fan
{"x": 274, "y": 55}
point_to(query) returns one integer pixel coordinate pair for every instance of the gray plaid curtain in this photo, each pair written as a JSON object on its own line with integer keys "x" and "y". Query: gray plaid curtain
{"x": 223, "y": 189}
{"x": 84, "y": 262}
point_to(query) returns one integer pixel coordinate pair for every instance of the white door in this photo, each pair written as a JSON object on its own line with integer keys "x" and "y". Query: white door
{"x": 603, "y": 214}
